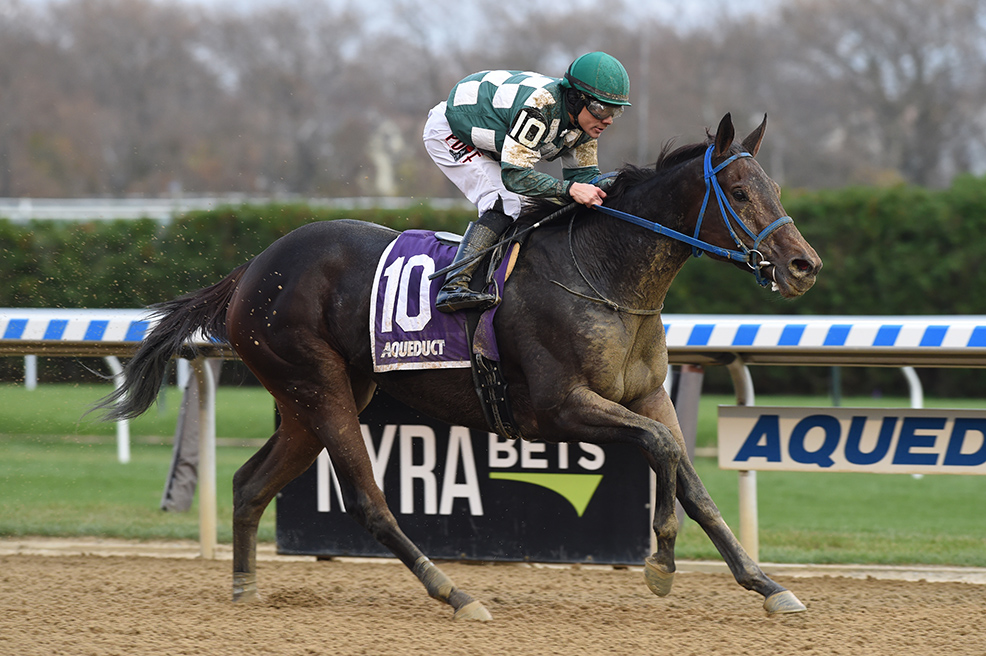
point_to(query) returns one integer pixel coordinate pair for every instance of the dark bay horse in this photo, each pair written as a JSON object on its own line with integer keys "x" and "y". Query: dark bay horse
{"x": 580, "y": 336}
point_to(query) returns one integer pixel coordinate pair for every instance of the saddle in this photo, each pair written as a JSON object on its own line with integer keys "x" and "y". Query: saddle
{"x": 407, "y": 333}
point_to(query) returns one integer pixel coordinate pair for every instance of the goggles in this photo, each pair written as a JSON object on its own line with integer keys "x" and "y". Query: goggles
{"x": 602, "y": 111}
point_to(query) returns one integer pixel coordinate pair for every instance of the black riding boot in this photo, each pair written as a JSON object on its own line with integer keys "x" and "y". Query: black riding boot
{"x": 455, "y": 293}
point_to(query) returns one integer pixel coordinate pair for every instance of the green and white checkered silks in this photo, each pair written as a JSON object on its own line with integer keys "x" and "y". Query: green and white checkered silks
{"x": 520, "y": 118}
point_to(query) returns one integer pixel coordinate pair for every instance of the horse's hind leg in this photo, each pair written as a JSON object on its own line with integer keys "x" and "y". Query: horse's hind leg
{"x": 330, "y": 412}
{"x": 286, "y": 455}
{"x": 366, "y": 503}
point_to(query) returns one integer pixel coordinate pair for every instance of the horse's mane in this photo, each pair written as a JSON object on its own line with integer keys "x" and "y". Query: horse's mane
{"x": 628, "y": 176}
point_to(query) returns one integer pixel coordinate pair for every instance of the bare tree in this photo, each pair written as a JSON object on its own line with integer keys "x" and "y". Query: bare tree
{"x": 287, "y": 65}
{"x": 135, "y": 59}
{"x": 888, "y": 85}
{"x": 145, "y": 96}
{"x": 31, "y": 155}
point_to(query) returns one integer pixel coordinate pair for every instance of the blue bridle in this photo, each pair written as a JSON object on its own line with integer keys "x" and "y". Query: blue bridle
{"x": 751, "y": 256}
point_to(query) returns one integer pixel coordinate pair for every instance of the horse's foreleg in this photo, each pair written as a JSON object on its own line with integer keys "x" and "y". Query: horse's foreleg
{"x": 698, "y": 504}
{"x": 590, "y": 418}
{"x": 664, "y": 456}
{"x": 277, "y": 463}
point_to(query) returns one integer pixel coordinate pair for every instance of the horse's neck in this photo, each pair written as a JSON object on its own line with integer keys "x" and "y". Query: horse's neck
{"x": 633, "y": 264}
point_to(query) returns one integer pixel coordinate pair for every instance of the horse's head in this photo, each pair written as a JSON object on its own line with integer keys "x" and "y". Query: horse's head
{"x": 751, "y": 217}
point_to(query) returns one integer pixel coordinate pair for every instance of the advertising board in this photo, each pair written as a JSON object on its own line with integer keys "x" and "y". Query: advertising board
{"x": 878, "y": 440}
{"x": 473, "y": 495}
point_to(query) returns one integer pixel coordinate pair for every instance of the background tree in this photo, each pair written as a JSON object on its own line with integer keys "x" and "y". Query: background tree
{"x": 117, "y": 97}
{"x": 889, "y": 88}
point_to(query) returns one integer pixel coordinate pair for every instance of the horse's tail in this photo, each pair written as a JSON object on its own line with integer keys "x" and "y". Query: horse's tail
{"x": 202, "y": 312}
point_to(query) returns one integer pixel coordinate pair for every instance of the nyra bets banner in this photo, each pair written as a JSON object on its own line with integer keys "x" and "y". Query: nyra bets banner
{"x": 474, "y": 495}
{"x": 879, "y": 440}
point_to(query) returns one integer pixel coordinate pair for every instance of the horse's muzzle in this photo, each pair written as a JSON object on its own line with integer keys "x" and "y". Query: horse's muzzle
{"x": 798, "y": 275}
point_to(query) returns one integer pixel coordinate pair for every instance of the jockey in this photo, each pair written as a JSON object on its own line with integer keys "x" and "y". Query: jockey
{"x": 495, "y": 127}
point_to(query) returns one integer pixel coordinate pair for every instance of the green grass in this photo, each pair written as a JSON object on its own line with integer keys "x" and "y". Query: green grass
{"x": 60, "y": 477}
{"x": 852, "y": 518}
{"x": 57, "y": 410}
{"x": 62, "y": 488}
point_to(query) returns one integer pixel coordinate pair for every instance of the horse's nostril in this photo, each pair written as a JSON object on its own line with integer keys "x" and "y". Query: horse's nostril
{"x": 802, "y": 266}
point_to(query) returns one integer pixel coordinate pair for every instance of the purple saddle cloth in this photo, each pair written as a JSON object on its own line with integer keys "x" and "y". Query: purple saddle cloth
{"x": 406, "y": 331}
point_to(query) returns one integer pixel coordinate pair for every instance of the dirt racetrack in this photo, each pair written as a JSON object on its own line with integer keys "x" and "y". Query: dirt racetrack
{"x": 130, "y": 605}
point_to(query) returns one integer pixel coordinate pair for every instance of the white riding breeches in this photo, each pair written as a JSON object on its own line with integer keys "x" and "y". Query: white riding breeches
{"x": 476, "y": 174}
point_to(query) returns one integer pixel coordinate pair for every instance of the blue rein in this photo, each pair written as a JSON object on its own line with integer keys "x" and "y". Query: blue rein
{"x": 729, "y": 216}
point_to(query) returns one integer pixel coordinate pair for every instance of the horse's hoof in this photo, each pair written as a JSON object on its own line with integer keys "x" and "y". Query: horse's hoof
{"x": 783, "y": 602}
{"x": 245, "y": 588}
{"x": 658, "y": 580}
{"x": 473, "y": 611}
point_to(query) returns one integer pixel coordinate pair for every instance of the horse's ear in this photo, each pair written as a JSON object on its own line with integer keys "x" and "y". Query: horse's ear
{"x": 724, "y": 136}
{"x": 752, "y": 143}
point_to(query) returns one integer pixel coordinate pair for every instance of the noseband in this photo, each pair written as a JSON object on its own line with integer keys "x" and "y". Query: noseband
{"x": 751, "y": 256}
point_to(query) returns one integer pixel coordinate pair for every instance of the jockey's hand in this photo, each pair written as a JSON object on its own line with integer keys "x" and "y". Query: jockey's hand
{"x": 586, "y": 194}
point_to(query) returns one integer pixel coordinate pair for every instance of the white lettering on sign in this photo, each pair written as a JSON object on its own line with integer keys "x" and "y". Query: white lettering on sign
{"x": 504, "y": 454}
{"x": 460, "y": 452}
{"x": 418, "y": 458}
{"x": 326, "y": 482}
{"x": 881, "y": 440}
{"x": 529, "y": 455}
{"x": 423, "y": 471}
{"x": 597, "y": 460}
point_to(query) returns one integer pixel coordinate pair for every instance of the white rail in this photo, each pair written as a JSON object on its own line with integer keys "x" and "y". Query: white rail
{"x": 21, "y": 210}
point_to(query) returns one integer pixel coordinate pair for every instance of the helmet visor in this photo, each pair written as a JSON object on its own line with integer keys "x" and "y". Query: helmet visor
{"x": 602, "y": 111}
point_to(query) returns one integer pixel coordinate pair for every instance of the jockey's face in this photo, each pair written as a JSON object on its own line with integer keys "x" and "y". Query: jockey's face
{"x": 591, "y": 125}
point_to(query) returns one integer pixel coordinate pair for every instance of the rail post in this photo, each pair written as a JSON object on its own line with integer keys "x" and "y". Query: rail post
{"x": 123, "y": 425}
{"x": 207, "y": 457}
{"x": 749, "y": 529}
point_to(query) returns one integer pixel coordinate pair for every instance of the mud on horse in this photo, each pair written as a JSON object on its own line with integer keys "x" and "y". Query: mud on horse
{"x": 580, "y": 335}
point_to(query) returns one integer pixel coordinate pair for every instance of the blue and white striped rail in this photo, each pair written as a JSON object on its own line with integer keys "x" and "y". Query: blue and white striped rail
{"x": 53, "y": 325}
{"x": 958, "y": 341}
{"x": 72, "y": 332}
{"x": 110, "y": 333}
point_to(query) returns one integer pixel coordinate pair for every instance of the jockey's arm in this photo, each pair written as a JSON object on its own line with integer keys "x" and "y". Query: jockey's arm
{"x": 579, "y": 166}
{"x": 535, "y": 184}
{"x": 526, "y": 181}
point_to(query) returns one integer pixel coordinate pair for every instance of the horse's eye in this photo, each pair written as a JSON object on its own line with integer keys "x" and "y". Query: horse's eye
{"x": 740, "y": 195}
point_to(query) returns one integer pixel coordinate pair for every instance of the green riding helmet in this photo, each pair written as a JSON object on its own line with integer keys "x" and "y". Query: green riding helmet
{"x": 601, "y": 76}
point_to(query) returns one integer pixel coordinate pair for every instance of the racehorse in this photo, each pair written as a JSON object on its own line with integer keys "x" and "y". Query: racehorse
{"x": 580, "y": 337}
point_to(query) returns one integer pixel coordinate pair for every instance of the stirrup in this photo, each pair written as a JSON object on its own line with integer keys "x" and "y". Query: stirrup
{"x": 456, "y": 296}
